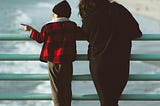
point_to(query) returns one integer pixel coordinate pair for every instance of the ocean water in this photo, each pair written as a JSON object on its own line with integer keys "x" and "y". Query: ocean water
{"x": 37, "y": 13}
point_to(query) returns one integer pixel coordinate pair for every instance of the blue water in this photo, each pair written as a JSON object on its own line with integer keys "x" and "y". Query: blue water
{"x": 36, "y": 13}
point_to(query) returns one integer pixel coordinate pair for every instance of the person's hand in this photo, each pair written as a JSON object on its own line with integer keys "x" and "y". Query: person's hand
{"x": 27, "y": 27}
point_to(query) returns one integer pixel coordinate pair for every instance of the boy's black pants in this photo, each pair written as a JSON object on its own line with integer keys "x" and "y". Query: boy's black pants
{"x": 60, "y": 76}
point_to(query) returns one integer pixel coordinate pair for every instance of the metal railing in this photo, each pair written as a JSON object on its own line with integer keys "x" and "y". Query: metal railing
{"x": 86, "y": 77}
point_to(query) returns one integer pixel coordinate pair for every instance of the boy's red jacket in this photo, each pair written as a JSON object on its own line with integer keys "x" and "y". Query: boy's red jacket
{"x": 59, "y": 40}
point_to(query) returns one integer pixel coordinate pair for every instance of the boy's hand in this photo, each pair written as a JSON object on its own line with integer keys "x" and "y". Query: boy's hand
{"x": 27, "y": 27}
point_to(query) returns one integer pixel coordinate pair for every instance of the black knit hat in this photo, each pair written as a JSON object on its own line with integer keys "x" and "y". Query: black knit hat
{"x": 62, "y": 9}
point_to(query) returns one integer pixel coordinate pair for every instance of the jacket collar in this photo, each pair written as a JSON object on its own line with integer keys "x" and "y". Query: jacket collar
{"x": 62, "y": 19}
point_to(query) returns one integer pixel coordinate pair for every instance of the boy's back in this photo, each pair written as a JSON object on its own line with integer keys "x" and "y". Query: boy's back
{"x": 59, "y": 41}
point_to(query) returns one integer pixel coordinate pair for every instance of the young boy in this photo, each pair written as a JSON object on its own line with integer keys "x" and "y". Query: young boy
{"x": 59, "y": 50}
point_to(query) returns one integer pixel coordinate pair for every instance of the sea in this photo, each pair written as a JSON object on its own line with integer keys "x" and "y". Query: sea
{"x": 38, "y": 12}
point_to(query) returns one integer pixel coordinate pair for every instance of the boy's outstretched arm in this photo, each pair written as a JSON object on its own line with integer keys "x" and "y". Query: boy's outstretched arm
{"x": 35, "y": 35}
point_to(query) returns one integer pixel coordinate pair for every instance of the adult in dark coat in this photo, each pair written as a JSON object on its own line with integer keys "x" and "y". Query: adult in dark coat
{"x": 111, "y": 28}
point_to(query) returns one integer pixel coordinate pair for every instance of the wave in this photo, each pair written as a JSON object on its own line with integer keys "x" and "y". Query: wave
{"x": 22, "y": 17}
{"x": 43, "y": 5}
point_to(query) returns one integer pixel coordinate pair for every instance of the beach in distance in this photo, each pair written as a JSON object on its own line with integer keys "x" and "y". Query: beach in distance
{"x": 149, "y": 8}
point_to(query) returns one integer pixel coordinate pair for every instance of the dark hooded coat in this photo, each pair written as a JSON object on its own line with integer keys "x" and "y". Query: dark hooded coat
{"x": 111, "y": 29}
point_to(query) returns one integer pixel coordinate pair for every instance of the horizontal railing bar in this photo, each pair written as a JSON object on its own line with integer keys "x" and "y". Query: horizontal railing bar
{"x": 85, "y": 77}
{"x": 19, "y": 57}
{"x": 29, "y": 57}
{"x": 130, "y": 97}
{"x": 18, "y": 37}
{"x": 24, "y": 77}
{"x": 80, "y": 57}
{"x": 145, "y": 57}
{"x": 15, "y": 37}
{"x": 25, "y": 37}
{"x": 149, "y": 37}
